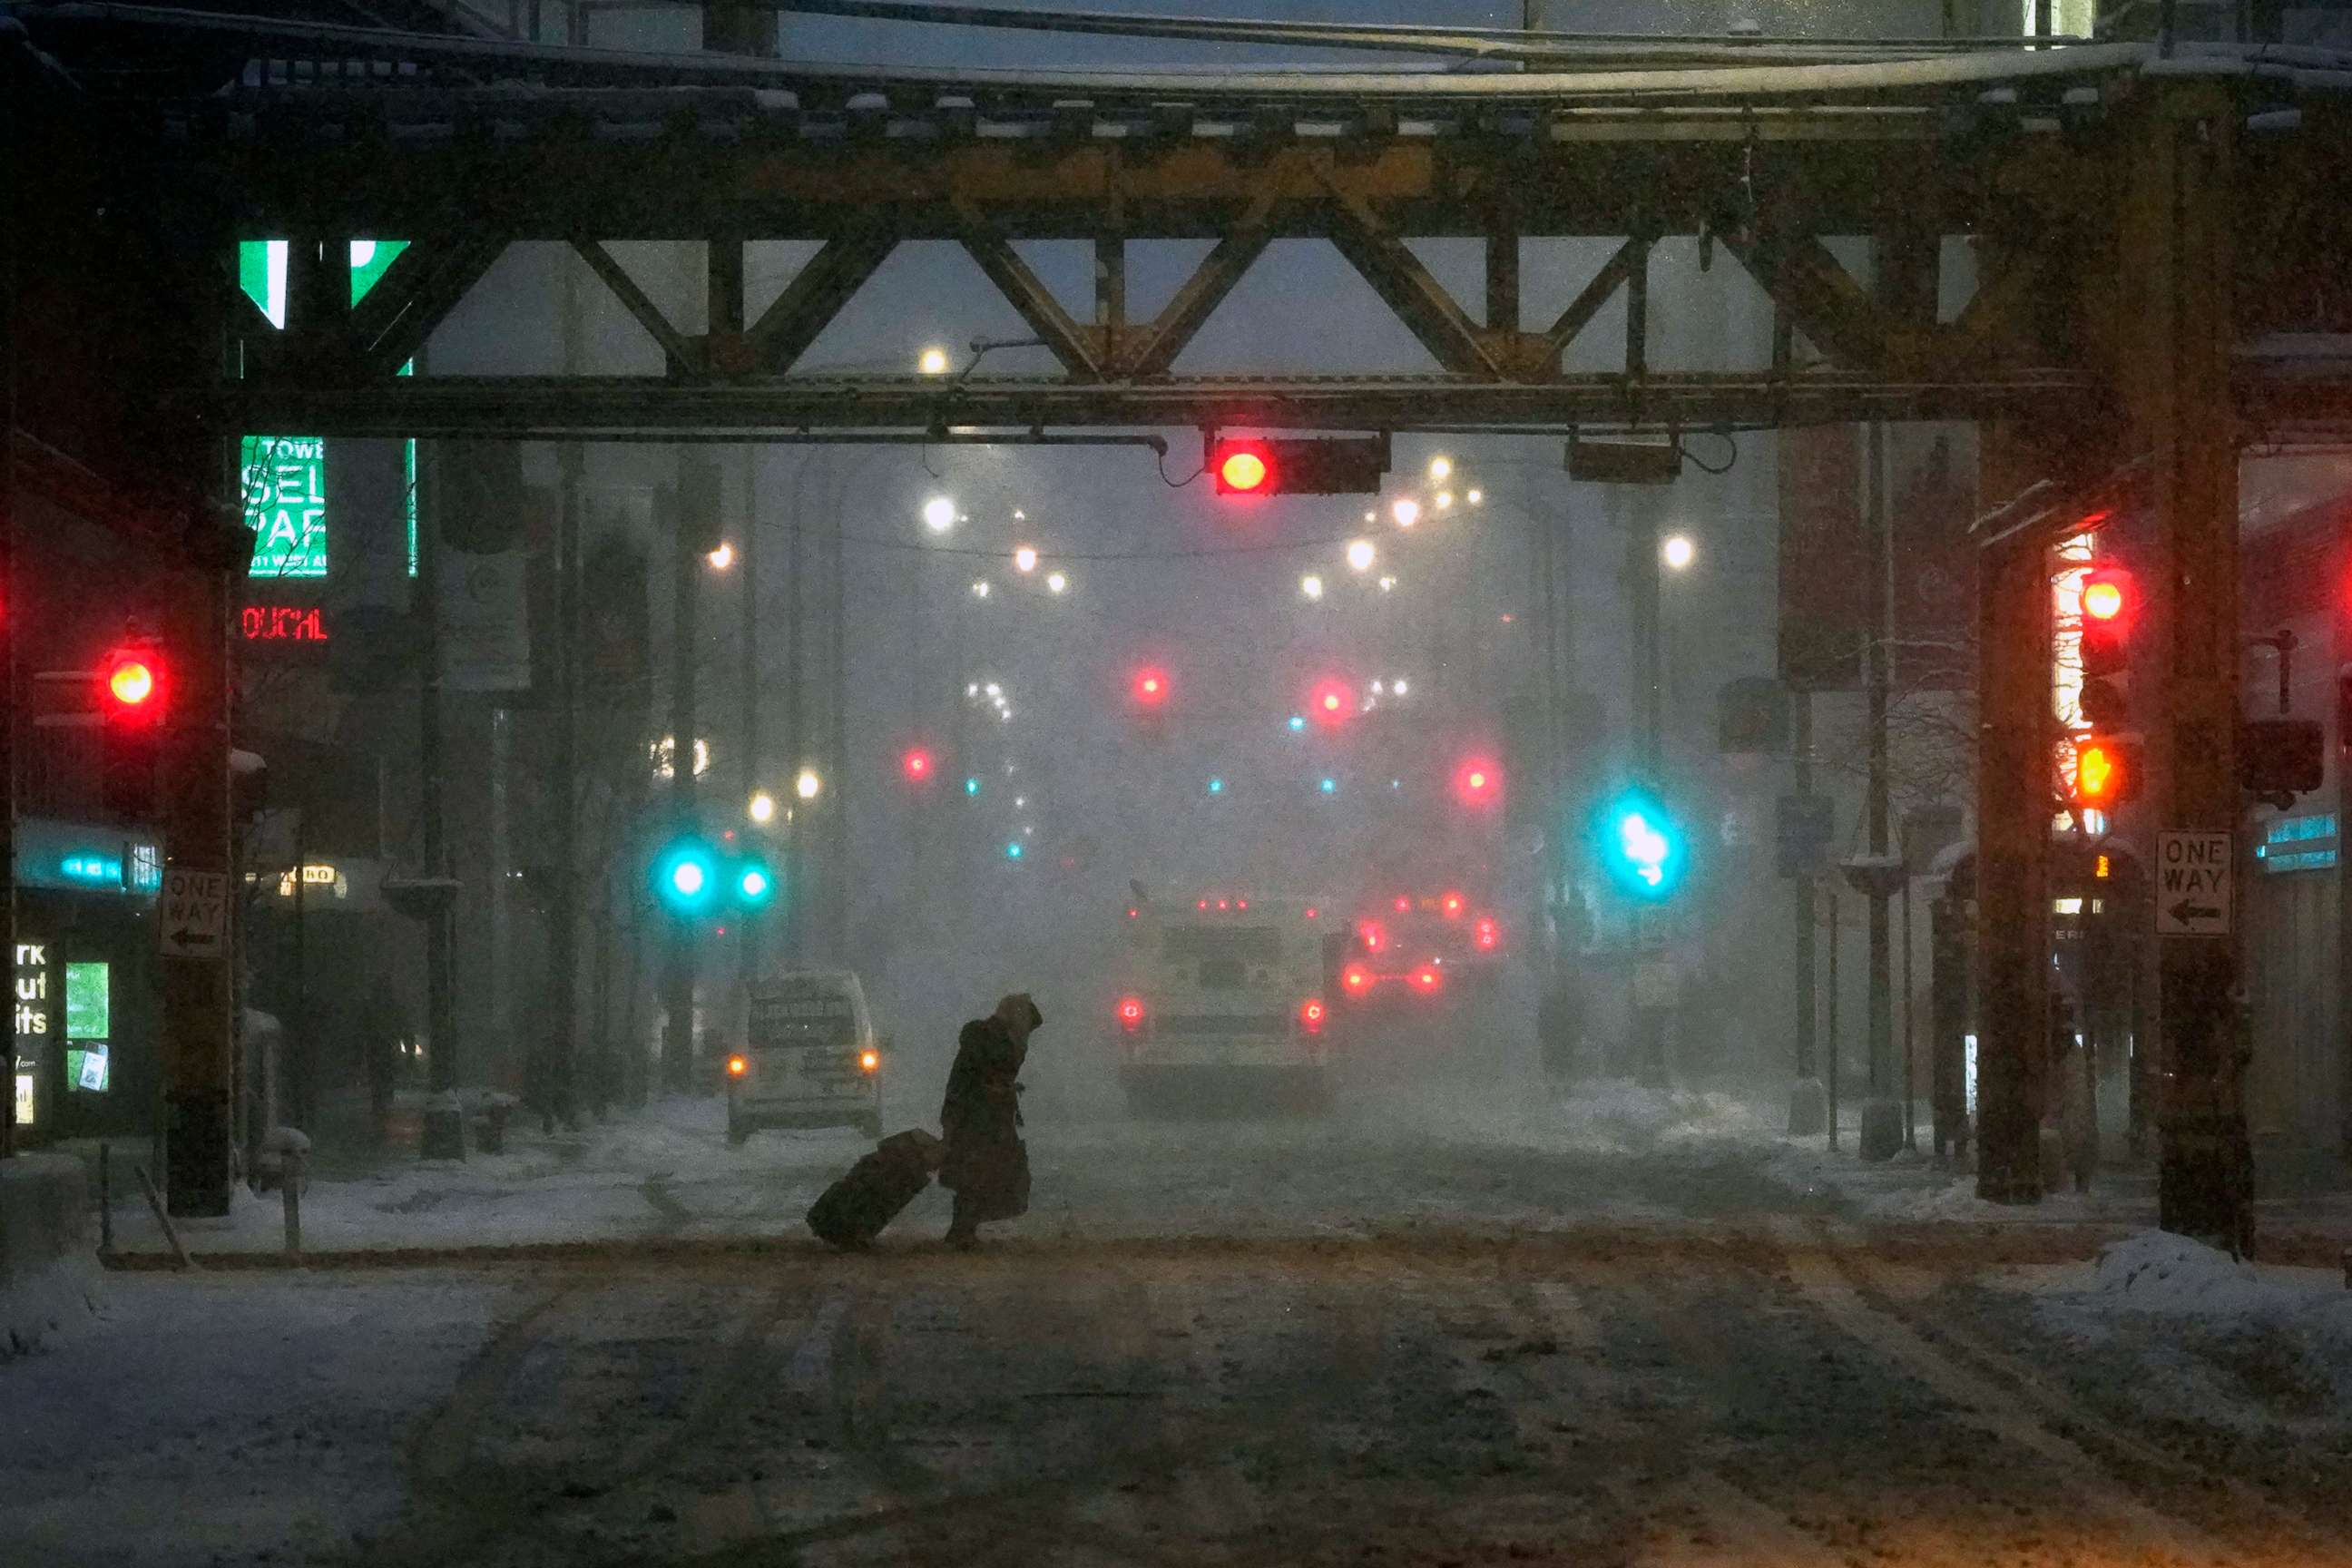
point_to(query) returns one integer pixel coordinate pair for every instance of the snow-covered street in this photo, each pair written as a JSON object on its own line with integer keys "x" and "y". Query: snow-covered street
{"x": 1631, "y": 1329}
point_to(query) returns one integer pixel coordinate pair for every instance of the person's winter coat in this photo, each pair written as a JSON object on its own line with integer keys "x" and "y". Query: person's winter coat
{"x": 987, "y": 1165}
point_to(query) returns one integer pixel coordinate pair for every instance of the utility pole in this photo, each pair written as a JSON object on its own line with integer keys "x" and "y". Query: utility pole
{"x": 444, "y": 1133}
{"x": 695, "y": 504}
{"x": 1881, "y": 1121}
{"x": 1808, "y": 1108}
{"x": 563, "y": 894}
{"x": 838, "y": 717}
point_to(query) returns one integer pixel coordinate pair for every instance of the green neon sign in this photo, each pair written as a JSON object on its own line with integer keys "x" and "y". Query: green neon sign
{"x": 284, "y": 477}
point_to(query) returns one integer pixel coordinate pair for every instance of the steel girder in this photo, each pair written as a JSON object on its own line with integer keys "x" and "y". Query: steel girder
{"x": 1769, "y": 183}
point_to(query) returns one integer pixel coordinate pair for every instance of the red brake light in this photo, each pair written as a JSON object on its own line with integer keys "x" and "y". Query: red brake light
{"x": 1453, "y": 905}
{"x": 1310, "y": 1016}
{"x": 1130, "y": 1014}
{"x": 1488, "y": 935}
{"x": 1427, "y": 978}
{"x": 1403, "y": 905}
{"x": 737, "y": 1067}
{"x": 1356, "y": 978}
{"x": 1371, "y": 935}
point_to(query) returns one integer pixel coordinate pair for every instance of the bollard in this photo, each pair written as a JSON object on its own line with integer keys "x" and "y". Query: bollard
{"x": 291, "y": 1186}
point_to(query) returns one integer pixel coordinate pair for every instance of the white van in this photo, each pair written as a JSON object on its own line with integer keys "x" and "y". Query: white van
{"x": 811, "y": 1059}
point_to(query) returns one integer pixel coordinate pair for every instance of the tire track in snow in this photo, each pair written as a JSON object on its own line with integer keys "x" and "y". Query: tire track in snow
{"x": 1890, "y": 1287}
{"x": 2154, "y": 1533}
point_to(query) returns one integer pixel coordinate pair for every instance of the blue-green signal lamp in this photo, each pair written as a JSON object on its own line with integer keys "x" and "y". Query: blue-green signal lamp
{"x": 1642, "y": 845}
{"x": 686, "y": 876}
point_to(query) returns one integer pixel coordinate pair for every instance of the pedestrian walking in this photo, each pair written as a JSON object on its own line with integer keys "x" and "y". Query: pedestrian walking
{"x": 986, "y": 1164}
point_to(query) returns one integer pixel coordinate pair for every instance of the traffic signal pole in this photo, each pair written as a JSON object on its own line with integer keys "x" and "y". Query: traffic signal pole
{"x": 678, "y": 971}
{"x": 443, "y": 1135}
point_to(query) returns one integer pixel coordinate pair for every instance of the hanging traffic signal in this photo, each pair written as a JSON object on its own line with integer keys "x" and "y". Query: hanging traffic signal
{"x": 2107, "y": 771}
{"x": 1641, "y": 846}
{"x": 916, "y": 764}
{"x": 1309, "y": 466}
{"x": 1331, "y": 703}
{"x": 131, "y": 685}
{"x": 1151, "y": 686}
{"x": 2110, "y": 607}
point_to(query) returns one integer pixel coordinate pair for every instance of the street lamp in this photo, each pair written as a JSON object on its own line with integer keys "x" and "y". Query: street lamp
{"x": 762, "y": 809}
{"x": 979, "y": 589}
{"x": 1311, "y": 586}
{"x": 721, "y": 558}
{"x": 1677, "y": 552}
{"x": 1440, "y": 470}
{"x": 1477, "y": 497}
{"x": 1388, "y": 585}
{"x": 808, "y": 786}
{"x": 1360, "y": 554}
{"x": 1056, "y": 581}
{"x": 938, "y": 514}
{"x": 1025, "y": 559}
{"x": 1407, "y": 511}
{"x": 1444, "y": 500}
{"x": 934, "y": 362}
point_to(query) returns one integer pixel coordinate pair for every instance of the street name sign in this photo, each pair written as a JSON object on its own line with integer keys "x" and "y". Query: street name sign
{"x": 192, "y": 913}
{"x": 2194, "y": 888}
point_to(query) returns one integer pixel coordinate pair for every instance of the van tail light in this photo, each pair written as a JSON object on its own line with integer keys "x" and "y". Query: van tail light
{"x": 1489, "y": 935}
{"x": 1452, "y": 904}
{"x": 1427, "y": 978}
{"x": 1371, "y": 934}
{"x": 1310, "y": 1016}
{"x": 1130, "y": 1014}
{"x": 1356, "y": 979}
{"x": 738, "y": 1065}
{"x": 869, "y": 1060}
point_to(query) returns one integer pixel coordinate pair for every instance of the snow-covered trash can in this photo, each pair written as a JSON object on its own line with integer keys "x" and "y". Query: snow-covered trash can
{"x": 285, "y": 1152}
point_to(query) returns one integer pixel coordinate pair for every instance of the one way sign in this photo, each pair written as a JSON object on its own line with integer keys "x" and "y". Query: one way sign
{"x": 193, "y": 914}
{"x": 2193, "y": 884}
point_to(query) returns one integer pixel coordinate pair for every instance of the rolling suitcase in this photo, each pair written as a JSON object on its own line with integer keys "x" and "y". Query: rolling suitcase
{"x": 852, "y": 1211}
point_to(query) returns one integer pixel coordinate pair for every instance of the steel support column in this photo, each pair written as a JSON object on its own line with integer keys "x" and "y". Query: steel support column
{"x": 2175, "y": 330}
{"x": 2013, "y": 815}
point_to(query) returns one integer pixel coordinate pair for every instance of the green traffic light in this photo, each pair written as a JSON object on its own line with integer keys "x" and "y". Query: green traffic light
{"x": 755, "y": 885}
{"x": 686, "y": 876}
{"x": 1640, "y": 844}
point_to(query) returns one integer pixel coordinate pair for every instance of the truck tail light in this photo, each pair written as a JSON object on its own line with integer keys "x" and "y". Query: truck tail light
{"x": 1130, "y": 1014}
{"x": 1310, "y": 1016}
{"x": 1356, "y": 980}
{"x": 1489, "y": 935}
{"x": 1427, "y": 978}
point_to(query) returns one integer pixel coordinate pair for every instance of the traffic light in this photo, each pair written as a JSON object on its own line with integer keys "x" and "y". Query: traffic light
{"x": 2108, "y": 771}
{"x": 1150, "y": 687}
{"x": 916, "y": 764}
{"x": 2110, "y": 607}
{"x": 1331, "y": 703}
{"x": 1310, "y": 466}
{"x": 687, "y": 875}
{"x": 2278, "y": 759}
{"x": 133, "y": 700}
{"x": 1478, "y": 782}
{"x": 755, "y": 884}
{"x": 1641, "y": 846}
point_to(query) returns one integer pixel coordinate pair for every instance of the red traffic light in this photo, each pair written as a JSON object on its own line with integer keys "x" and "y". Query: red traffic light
{"x": 1331, "y": 703}
{"x": 917, "y": 764}
{"x": 133, "y": 681}
{"x": 2108, "y": 596}
{"x": 1242, "y": 468}
{"x": 1151, "y": 686}
{"x": 1478, "y": 782}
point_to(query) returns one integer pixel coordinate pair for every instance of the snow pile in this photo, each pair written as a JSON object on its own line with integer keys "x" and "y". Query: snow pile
{"x": 2156, "y": 1271}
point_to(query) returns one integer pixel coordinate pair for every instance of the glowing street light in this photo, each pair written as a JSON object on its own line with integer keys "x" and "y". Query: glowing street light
{"x": 1677, "y": 552}
{"x": 1056, "y": 581}
{"x": 809, "y": 786}
{"x": 979, "y": 589}
{"x": 938, "y": 514}
{"x": 1446, "y": 500}
{"x": 762, "y": 809}
{"x": 1477, "y": 497}
{"x": 1407, "y": 511}
{"x": 1025, "y": 559}
{"x": 1360, "y": 554}
{"x": 1388, "y": 585}
{"x": 1440, "y": 470}
{"x": 721, "y": 558}
{"x": 1310, "y": 586}
{"x": 934, "y": 362}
